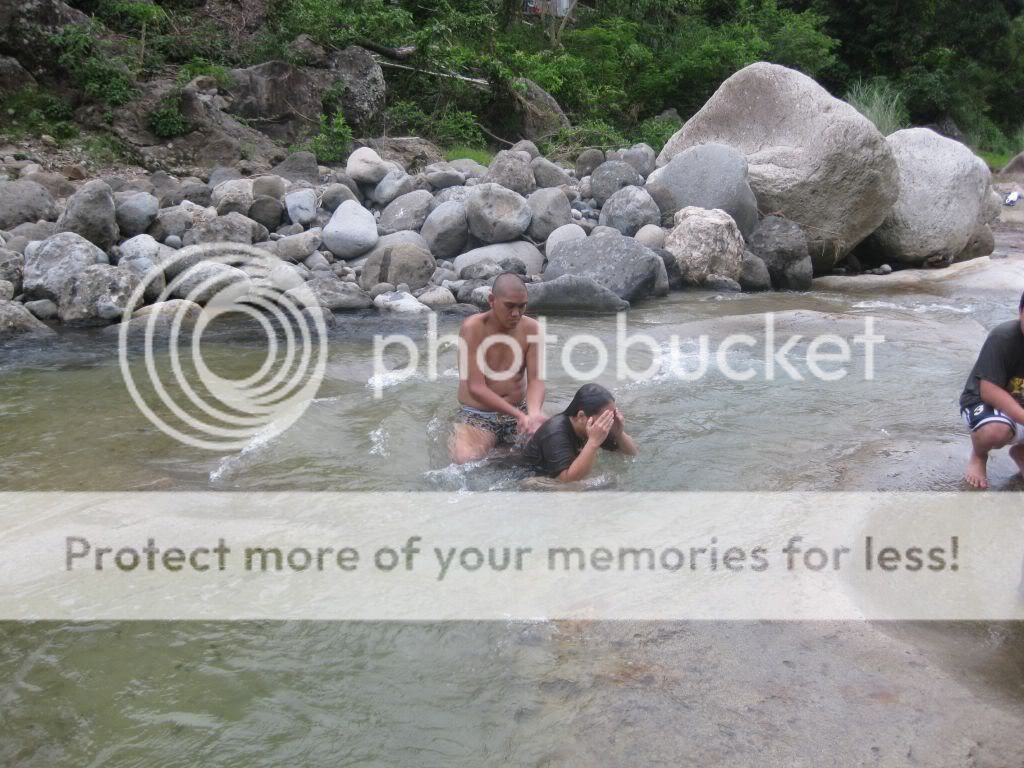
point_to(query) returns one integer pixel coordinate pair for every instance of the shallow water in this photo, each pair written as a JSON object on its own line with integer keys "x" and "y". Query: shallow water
{"x": 316, "y": 694}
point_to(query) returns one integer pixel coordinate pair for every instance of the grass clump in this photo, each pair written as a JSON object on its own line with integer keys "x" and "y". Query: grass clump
{"x": 166, "y": 120}
{"x": 198, "y": 66}
{"x": 333, "y": 143}
{"x": 481, "y": 156}
{"x": 33, "y": 112}
{"x": 881, "y": 103}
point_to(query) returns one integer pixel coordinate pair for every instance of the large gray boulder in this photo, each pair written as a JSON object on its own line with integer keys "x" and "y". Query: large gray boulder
{"x": 98, "y": 295}
{"x": 12, "y": 268}
{"x": 611, "y": 176}
{"x": 24, "y": 202}
{"x": 573, "y": 293}
{"x": 301, "y": 205}
{"x": 641, "y": 156}
{"x": 91, "y": 213}
{"x": 141, "y": 255}
{"x": 332, "y": 294}
{"x": 351, "y": 232}
{"x": 446, "y": 230}
{"x": 628, "y": 210}
{"x": 942, "y": 204}
{"x": 396, "y": 264}
{"x": 406, "y": 212}
{"x": 505, "y": 255}
{"x": 275, "y": 97}
{"x": 365, "y": 166}
{"x": 548, "y": 174}
{"x": 51, "y": 263}
{"x": 536, "y": 113}
{"x": 512, "y": 171}
{"x": 267, "y": 211}
{"x": 550, "y": 208}
{"x": 298, "y": 166}
{"x": 707, "y": 176}
{"x": 16, "y": 321}
{"x": 812, "y": 158}
{"x": 395, "y": 184}
{"x": 497, "y": 214}
{"x": 705, "y": 243}
{"x": 233, "y": 195}
{"x": 135, "y": 213}
{"x": 356, "y": 76}
{"x": 588, "y": 161}
{"x": 233, "y": 228}
{"x": 563, "y": 235}
{"x": 620, "y": 264}
{"x": 782, "y": 246}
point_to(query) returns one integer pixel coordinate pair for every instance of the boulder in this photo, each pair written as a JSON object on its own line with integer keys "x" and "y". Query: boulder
{"x": 512, "y": 171}
{"x": 12, "y": 268}
{"x": 141, "y": 255}
{"x": 351, "y": 232}
{"x": 620, "y": 264}
{"x": 357, "y": 78}
{"x": 782, "y": 246}
{"x": 42, "y": 309}
{"x": 135, "y": 213}
{"x": 550, "y": 210}
{"x": 333, "y": 295}
{"x": 334, "y": 195}
{"x": 547, "y": 174}
{"x": 232, "y": 196}
{"x": 754, "y": 275}
{"x": 395, "y": 184}
{"x": 564, "y": 234}
{"x": 399, "y": 302}
{"x": 365, "y": 166}
{"x": 642, "y": 157}
{"x": 406, "y": 212}
{"x": 527, "y": 146}
{"x": 651, "y": 235}
{"x": 299, "y": 247}
{"x": 276, "y": 98}
{"x": 13, "y": 77}
{"x": 16, "y": 321}
{"x": 98, "y": 295}
{"x": 267, "y": 211}
{"x": 301, "y": 206}
{"x": 812, "y": 158}
{"x": 573, "y": 293}
{"x": 26, "y": 26}
{"x": 588, "y": 161}
{"x": 452, "y": 195}
{"x": 611, "y": 176}
{"x": 435, "y": 297}
{"x": 410, "y": 152}
{"x": 497, "y": 214}
{"x": 446, "y": 230}
{"x": 6, "y": 290}
{"x": 398, "y": 263}
{"x": 171, "y": 309}
{"x": 504, "y": 254}
{"x": 470, "y": 168}
{"x": 207, "y": 281}
{"x": 269, "y": 185}
{"x": 54, "y": 183}
{"x": 24, "y": 202}
{"x": 91, "y": 213}
{"x": 707, "y": 176}
{"x": 298, "y": 166}
{"x": 1015, "y": 167}
{"x": 537, "y": 113}
{"x": 50, "y": 264}
{"x": 442, "y": 176}
{"x": 628, "y": 210}
{"x": 722, "y": 283}
{"x": 943, "y": 203}
{"x": 705, "y": 243}
{"x": 233, "y": 228}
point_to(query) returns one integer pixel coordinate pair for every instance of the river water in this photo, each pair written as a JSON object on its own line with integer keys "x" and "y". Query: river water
{"x": 541, "y": 693}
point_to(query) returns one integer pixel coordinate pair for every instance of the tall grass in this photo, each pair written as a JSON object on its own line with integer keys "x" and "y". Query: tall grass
{"x": 881, "y": 103}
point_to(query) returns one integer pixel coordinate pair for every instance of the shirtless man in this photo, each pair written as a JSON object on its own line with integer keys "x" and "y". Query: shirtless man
{"x": 496, "y": 410}
{"x": 992, "y": 397}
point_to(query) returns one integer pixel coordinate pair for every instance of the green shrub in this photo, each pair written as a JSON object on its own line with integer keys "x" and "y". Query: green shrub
{"x": 198, "y": 66}
{"x": 881, "y": 103}
{"x": 101, "y": 74}
{"x": 481, "y": 156}
{"x": 31, "y": 112}
{"x": 569, "y": 142}
{"x": 656, "y": 131}
{"x": 447, "y": 127}
{"x": 332, "y": 143}
{"x": 166, "y": 120}
{"x": 104, "y": 150}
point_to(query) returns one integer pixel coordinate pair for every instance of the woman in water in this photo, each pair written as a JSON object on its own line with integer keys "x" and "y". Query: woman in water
{"x": 566, "y": 445}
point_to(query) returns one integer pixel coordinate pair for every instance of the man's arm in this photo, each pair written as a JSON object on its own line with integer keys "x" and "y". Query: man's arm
{"x": 994, "y": 395}
{"x": 598, "y": 428}
{"x": 624, "y": 442}
{"x": 475, "y": 380}
{"x": 535, "y": 389}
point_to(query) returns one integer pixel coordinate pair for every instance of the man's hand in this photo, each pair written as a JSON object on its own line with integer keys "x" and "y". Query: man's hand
{"x": 534, "y": 421}
{"x": 598, "y": 427}
{"x": 618, "y": 423}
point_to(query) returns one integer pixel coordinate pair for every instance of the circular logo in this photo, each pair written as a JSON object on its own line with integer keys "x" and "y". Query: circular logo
{"x": 191, "y": 289}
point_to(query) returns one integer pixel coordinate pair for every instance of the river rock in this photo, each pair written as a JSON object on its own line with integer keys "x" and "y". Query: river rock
{"x": 298, "y": 166}
{"x": 588, "y": 161}
{"x": 210, "y": 281}
{"x": 512, "y": 171}
{"x": 754, "y": 275}
{"x": 90, "y": 212}
{"x": 707, "y": 176}
{"x": 336, "y": 295}
{"x": 407, "y": 212}
{"x": 942, "y": 204}
{"x": 351, "y": 232}
{"x": 651, "y": 235}
{"x": 232, "y": 196}
{"x": 502, "y": 254}
{"x": 782, "y": 246}
{"x": 267, "y": 211}
{"x": 43, "y": 309}
{"x": 452, "y": 195}
{"x": 470, "y": 168}
{"x": 704, "y": 243}
{"x": 573, "y": 293}
{"x": 187, "y": 310}
{"x": 642, "y": 157}
{"x": 97, "y": 295}
{"x": 628, "y": 210}
{"x": 564, "y": 234}
{"x": 299, "y": 247}
{"x": 547, "y": 174}
{"x": 12, "y": 268}
{"x": 24, "y": 201}
{"x": 51, "y": 263}
{"x": 436, "y": 297}
{"x": 443, "y": 175}
{"x": 398, "y": 263}
{"x": 141, "y": 255}
{"x": 135, "y": 213}
{"x": 233, "y": 228}
{"x": 611, "y": 176}
{"x": 301, "y": 205}
{"x": 446, "y": 230}
{"x": 6, "y": 290}
{"x": 621, "y": 264}
{"x": 336, "y": 194}
{"x": 550, "y": 210}
{"x": 16, "y": 321}
{"x": 399, "y": 302}
{"x": 497, "y": 214}
{"x": 54, "y": 183}
{"x": 365, "y": 166}
{"x": 812, "y": 158}
{"x": 269, "y": 186}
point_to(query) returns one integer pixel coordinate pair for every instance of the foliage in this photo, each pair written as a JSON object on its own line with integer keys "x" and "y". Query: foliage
{"x": 569, "y": 142}
{"x": 94, "y": 67}
{"x": 332, "y": 143}
{"x": 446, "y": 127}
{"x": 103, "y": 150}
{"x": 481, "y": 156}
{"x": 166, "y": 120}
{"x": 32, "y": 112}
{"x": 881, "y": 103}
{"x": 198, "y": 66}
{"x": 656, "y": 131}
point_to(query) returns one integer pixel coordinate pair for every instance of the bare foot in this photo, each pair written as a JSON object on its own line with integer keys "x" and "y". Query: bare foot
{"x": 1017, "y": 454}
{"x": 976, "y": 475}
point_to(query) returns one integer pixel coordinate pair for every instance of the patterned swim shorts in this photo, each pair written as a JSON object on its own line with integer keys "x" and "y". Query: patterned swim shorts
{"x": 505, "y": 428}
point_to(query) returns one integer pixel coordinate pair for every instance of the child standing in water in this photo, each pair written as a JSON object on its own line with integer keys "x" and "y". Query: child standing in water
{"x": 566, "y": 445}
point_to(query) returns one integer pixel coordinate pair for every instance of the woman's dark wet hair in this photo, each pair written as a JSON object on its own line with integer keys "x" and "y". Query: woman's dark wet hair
{"x": 590, "y": 398}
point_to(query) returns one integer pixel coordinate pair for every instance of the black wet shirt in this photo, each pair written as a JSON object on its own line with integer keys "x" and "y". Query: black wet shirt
{"x": 555, "y": 446}
{"x": 1000, "y": 361}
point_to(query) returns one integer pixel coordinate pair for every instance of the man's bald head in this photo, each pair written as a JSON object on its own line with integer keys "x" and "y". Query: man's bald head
{"x": 508, "y": 283}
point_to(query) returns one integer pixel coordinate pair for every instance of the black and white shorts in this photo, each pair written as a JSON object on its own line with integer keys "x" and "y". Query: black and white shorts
{"x": 981, "y": 414}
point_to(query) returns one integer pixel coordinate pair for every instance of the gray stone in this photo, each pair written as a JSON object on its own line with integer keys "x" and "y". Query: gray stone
{"x": 573, "y": 293}
{"x": 51, "y": 263}
{"x": 221, "y": 174}
{"x": 268, "y": 186}
{"x": 55, "y": 184}
{"x": 12, "y": 268}
{"x": 469, "y": 168}
{"x": 442, "y": 176}
{"x": 173, "y": 241}
{"x": 335, "y": 295}
{"x": 525, "y": 252}
{"x": 232, "y": 196}
{"x": 564, "y": 234}
{"x": 299, "y": 247}
{"x": 90, "y": 212}
{"x": 611, "y": 176}
{"x": 365, "y": 166}
{"x": 351, "y": 232}
{"x": 403, "y": 303}
{"x": 97, "y": 295}
{"x": 588, "y": 162}
{"x": 497, "y": 214}
{"x": 141, "y": 256}
{"x": 651, "y": 235}
{"x": 527, "y": 146}
{"x": 171, "y": 221}
{"x": 481, "y": 270}
{"x": 267, "y": 211}
{"x": 628, "y": 210}
{"x": 707, "y": 176}
{"x": 782, "y": 246}
{"x": 209, "y": 281}
{"x": 135, "y": 213}
{"x": 512, "y": 171}
{"x": 398, "y": 263}
{"x": 195, "y": 192}
{"x": 336, "y": 194}
{"x": 298, "y": 166}
{"x": 722, "y": 283}
{"x": 16, "y": 321}
{"x": 435, "y": 297}
{"x": 6, "y": 290}
{"x": 621, "y": 264}
{"x": 407, "y": 212}
{"x": 550, "y": 210}
{"x": 233, "y": 228}
{"x": 704, "y": 243}
{"x": 392, "y": 186}
{"x": 301, "y": 205}
{"x": 547, "y": 174}
{"x": 446, "y": 230}
{"x": 452, "y": 195}
{"x": 39, "y": 230}
{"x": 380, "y": 288}
{"x": 43, "y": 309}
{"x": 317, "y": 261}
{"x": 754, "y": 275}
{"x": 642, "y": 157}
{"x": 24, "y": 201}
